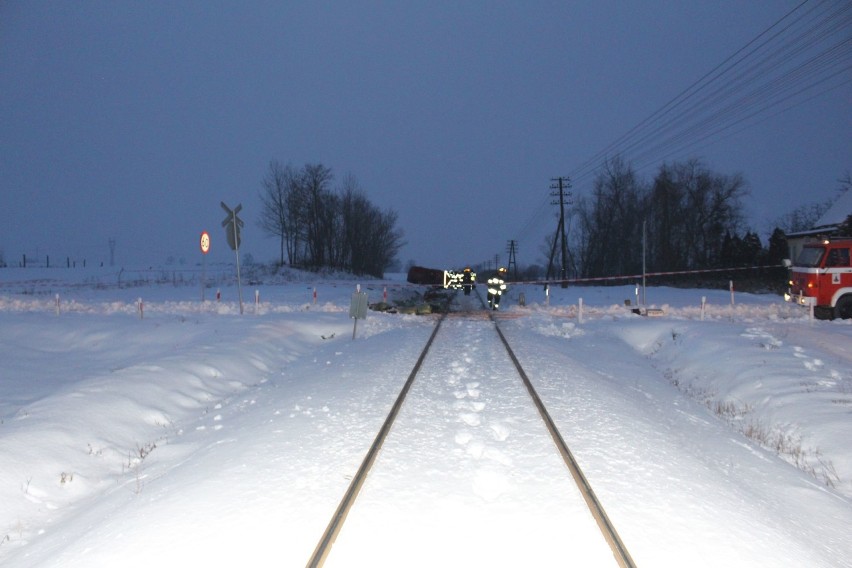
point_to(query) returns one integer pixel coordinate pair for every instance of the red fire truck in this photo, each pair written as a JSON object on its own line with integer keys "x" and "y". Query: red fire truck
{"x": 822, "y": 277}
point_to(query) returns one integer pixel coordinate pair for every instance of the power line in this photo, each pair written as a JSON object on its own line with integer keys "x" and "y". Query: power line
{"x": 641, "y": 132}
{"x": 803, "y": 55}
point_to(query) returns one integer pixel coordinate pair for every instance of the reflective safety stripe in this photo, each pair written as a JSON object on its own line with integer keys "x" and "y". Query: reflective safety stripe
{"x": 496, "y": 286}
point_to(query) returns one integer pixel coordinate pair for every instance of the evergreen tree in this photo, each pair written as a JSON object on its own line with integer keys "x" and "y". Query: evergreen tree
{"x": 778, "y": 249}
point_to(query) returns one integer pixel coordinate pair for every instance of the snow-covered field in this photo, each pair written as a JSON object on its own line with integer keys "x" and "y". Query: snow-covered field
{"x": 187, "y": 433}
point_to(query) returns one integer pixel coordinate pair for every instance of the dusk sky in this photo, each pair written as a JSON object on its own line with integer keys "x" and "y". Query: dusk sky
{"x": 133, "y": 120}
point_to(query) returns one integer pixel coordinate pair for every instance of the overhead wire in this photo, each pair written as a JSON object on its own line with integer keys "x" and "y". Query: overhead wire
{"x": 778, "y": 67}
{"x": 726, "y": 129}
{"x": 760, "y": 99}
{"x": 683, "y": 122}
{"x": 618, "y": 145}
{"x": 696, "y": 117}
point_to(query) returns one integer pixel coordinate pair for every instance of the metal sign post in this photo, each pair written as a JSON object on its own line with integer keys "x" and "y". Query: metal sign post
{"x": 358, "y": 307}
{"x": 232, "y": 225}
{"x": 205, "y": 248}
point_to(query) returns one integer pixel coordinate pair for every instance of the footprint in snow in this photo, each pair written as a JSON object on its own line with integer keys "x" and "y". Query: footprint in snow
{"x": 463, "y": 405}
{"x": 470, "y": 418}
{"x": 767, "y": 340}
{"x": 496, "y": 455}
{"x": 812, "y": 364}
{"x": 475, "y": 449}
{"x": 463, "y": 437}
{"x": 499, "y": 431}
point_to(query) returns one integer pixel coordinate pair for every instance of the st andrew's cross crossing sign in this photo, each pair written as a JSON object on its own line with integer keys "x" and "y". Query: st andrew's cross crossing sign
{"x": 233, "y": 225}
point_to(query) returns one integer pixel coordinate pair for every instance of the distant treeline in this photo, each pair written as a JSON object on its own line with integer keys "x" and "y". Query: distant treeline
{"x": 321, "y": 226}
{"x": 688, "y": 218}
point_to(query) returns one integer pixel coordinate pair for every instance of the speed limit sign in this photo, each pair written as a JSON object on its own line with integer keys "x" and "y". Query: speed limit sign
{"x": 205, "y": 243}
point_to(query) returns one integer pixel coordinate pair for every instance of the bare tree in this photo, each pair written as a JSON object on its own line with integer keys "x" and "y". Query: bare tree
{"x": 690, "y": 210}
{"x": 388, "y": 240}
{"x": 687, "y": 212}
{"x": 319, "y": 234}
{"x": 845, "y": 183}
{"x": 355, "y": 212}
{"x": 664, "y": 229}
{"x": 281, "y": 213}
{"x": 610, "y": 225}
{"x": 371, "y": 238}
{"x": 803, "y": 217}
{"x": 326, "y": 228}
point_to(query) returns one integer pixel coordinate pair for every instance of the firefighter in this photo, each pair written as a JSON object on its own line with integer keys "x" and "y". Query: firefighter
{"x": 496, "y": 288}
{"x": 468, "y": 280}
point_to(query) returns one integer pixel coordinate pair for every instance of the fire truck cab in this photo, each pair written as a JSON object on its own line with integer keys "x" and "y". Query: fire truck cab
{"x": 822, "y": 277}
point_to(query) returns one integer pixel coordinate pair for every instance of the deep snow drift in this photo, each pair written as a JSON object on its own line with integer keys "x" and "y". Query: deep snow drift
{"x": 186, "y": 432}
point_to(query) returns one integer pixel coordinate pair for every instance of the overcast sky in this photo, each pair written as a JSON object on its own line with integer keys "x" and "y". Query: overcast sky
{"x": 132, "y": 120}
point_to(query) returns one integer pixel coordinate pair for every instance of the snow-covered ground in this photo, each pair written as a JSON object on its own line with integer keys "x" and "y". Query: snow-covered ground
{"x": 191, "y": 434}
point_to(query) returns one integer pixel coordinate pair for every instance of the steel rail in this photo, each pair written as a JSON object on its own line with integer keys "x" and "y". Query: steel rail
{"x": 622, "y": 556}
{"x": 325, "y": 543}
{"x": 323, "y": 548}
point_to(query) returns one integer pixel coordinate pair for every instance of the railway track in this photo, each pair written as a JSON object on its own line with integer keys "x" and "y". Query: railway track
{"x": 468, "y": 312}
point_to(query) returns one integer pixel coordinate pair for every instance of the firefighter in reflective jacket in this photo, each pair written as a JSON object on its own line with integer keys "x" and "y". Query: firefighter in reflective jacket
{"x": 468, "y": 280}
{"x": 496, "y": 288}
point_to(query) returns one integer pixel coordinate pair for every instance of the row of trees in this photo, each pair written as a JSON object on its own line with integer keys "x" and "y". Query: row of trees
{"x": 691, "y": 222}
{"x": 321, "y": 226}
{"x": 687, "y": 218}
